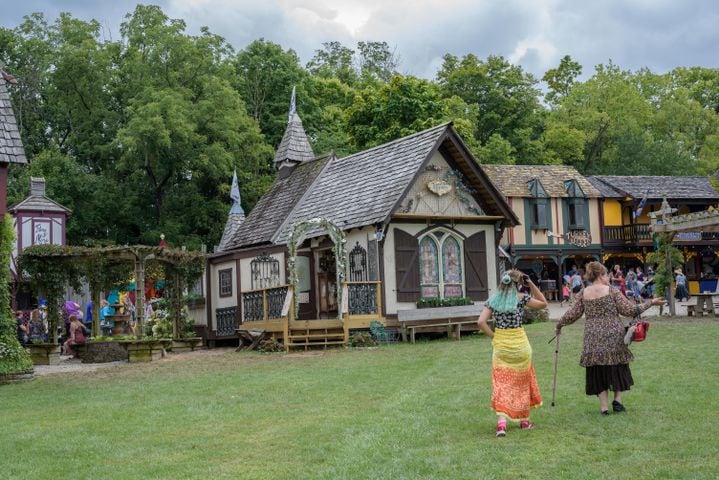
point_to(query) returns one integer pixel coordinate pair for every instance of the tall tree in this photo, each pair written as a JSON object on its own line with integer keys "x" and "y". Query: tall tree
{"x": 506, "y": 97}
{"x": 334, "y": 60}
{"x": 560, "y": 80}
{"x": 265, "y": 75}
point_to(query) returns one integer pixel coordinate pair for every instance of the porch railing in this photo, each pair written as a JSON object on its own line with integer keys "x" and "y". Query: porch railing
{"x": 263, "y": 304}
{"x": 627, "y": 234}
{"x": 227, "y": 321}
{"x": 364, "y": 298}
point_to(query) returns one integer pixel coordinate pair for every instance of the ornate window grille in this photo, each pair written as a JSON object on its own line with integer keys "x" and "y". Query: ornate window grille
{"x": 226, "y": 321}
{"x": 358, "y": 264}
{"x": 265, "y": 272}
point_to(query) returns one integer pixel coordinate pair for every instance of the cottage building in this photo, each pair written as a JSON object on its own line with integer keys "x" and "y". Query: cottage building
{"x": 550, "y": 201}
{"x": 358, "y": 238}
{"x": 627, "y": 238}
{"x": 11, "y": 149}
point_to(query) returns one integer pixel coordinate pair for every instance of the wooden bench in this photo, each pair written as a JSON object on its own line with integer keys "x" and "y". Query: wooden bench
{"x": 450, "y": 317}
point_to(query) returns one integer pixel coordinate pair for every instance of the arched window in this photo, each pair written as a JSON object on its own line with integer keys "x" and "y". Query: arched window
{"x": 358, "y": 264}
{"x": 441, "y": 269}
{"x": 428, "y": 267}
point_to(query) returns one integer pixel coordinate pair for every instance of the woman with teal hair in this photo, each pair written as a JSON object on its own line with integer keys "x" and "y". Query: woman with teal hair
{"x": 514, "y": 385}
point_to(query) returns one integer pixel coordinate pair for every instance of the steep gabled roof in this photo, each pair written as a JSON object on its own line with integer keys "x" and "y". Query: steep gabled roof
{"x": 11, "y": 149}
{"x": 294, "y": 146}
{"x": 361, "y": 189}
{"x": 276, "y": 204}
{"x": 365, "y": 188}
{"x": 512, "y": 180}
{"x": 671, "y": 187}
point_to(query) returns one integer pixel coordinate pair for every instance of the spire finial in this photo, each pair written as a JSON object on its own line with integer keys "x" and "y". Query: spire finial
{"x": 293, "y": 106}
{"x": 235, "y": 190}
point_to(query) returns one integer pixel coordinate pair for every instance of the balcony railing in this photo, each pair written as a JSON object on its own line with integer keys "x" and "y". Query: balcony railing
{"x": 627, "y": 234}
{"x": 263, "y": 304}
{"x": 364, "y": 298}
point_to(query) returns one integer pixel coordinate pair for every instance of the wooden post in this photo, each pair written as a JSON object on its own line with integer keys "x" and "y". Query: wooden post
{"x": 140, "y": 295}
{"x": 265, "y": 312}
{"x": 3, "y": 188}
{"x": 378, "y": 292}
{"x": 95, "y": 296}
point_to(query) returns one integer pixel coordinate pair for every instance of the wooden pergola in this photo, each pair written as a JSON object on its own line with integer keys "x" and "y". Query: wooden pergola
{"x": 181, "y": 266}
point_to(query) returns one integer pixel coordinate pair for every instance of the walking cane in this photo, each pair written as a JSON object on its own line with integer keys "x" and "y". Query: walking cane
{"x": 556, "y": 360}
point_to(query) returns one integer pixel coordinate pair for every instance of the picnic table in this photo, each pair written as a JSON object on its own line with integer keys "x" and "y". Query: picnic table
{"x": 705, "y": 304}
{"x": 450, "y": 317}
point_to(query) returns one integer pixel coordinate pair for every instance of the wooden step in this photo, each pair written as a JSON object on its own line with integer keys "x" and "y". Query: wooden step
{"x": 318, "y": 335}
{"x": 315, "y": 344}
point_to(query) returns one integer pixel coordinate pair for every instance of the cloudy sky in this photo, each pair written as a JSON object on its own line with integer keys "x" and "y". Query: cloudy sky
{"x": 659, "y": 34}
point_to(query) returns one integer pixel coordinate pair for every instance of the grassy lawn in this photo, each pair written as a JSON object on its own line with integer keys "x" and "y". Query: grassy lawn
{"x": 406, "y": 411}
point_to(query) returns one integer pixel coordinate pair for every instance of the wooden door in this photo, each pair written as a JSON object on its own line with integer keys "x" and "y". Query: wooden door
{"x": 327, "y": 284}
{"x": 306, "y": 298}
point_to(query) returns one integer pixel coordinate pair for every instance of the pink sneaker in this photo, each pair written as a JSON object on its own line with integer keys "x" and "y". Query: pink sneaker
{"x": 501, "y": 430}
{"x": 526, "y": 425}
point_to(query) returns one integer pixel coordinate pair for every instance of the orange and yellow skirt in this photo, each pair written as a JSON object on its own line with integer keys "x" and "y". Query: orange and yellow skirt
{"x": 514, "y": 385}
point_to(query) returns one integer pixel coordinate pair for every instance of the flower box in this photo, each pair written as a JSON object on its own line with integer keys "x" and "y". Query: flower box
{"x": 186, "y": 344}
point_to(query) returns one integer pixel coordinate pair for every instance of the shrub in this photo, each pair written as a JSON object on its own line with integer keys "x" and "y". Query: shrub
{"x": 531, "y": 315}
{"x": 362, "y": 339}
{"x": 270, "y": 345}
{"x": 433, "y": 302}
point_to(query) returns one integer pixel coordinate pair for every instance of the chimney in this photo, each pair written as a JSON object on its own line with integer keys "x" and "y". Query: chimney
{"x": 37, "y": 186}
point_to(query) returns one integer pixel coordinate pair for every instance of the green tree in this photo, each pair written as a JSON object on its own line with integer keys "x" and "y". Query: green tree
{"x": 507, "y": 100}
{"x": 560, "y": 80}
{"x": 334, "y": 60}
{"x": 265, "y": 75}
{"x": 376, "y": 61}
{"x": 403, "y": 106}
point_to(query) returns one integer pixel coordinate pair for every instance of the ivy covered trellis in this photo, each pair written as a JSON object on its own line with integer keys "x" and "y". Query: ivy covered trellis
{"x": 52, "y": 268}
{"x": 299, "y": 230}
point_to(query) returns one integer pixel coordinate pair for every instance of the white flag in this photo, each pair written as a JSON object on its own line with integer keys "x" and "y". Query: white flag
{"x": 235, "y": 190}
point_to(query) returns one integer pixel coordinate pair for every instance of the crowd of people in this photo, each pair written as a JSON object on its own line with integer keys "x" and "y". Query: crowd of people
{"x": 32, "y": 326}
{"x": 599, "y": 295}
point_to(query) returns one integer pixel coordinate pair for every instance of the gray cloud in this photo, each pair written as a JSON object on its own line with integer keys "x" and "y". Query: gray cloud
{"x": 659, "y": 34}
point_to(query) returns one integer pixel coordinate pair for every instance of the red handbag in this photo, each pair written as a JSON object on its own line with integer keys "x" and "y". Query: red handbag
{"x": 640, "y": 331}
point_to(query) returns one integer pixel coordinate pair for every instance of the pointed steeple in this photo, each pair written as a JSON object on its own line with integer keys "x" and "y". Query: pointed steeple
{"x": 235, "y": 217}
{"x": 295, "y": 147}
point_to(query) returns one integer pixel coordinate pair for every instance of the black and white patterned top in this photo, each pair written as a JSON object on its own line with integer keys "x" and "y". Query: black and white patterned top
{"x": 511, "y": 319}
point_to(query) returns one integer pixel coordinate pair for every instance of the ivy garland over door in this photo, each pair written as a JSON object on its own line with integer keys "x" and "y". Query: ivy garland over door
{"x": 337, "y": 236}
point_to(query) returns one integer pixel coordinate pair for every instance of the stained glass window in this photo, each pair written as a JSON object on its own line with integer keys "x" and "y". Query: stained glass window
{"x": 429, "y": 268}
{"x": 441, "y": 276}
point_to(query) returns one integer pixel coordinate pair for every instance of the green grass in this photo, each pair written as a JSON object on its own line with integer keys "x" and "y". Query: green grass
{"x": 406, "y": 411}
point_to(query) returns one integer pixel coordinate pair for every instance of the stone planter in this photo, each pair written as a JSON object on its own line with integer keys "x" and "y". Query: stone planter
{"x": 145, "y": 350}
{"x": 44, "y": 353}
{"x": 7, "y": 378}
{"x": 101, "y": 352}
{"x": 186, "y": 344}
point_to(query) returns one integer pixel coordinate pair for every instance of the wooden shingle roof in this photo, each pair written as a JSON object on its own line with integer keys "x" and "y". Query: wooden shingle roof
{"x": 512, "y": 180}
{"x": 276, "y": 204}
{"x": 671, "y": 187}
{"x": 294, "y": 146}
{"x": 364, "y": 188}
{"x": 11, "y": 149}
{"x": 605, "y": 189}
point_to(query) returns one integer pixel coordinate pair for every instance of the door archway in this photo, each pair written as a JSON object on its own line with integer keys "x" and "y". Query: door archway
{"x": 297, "y": 236}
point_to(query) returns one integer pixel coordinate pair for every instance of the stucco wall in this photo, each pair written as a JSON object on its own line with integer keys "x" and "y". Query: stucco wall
{"x": 390, "y": 280}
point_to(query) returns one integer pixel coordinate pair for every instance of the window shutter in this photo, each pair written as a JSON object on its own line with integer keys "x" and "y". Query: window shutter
{"x": 406, "y": 264}
{"x": 475, "y": 266}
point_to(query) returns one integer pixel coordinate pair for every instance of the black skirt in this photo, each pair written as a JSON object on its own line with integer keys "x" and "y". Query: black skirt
{"x": 608, "y": 377}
